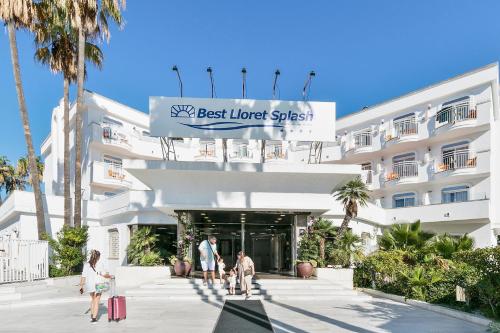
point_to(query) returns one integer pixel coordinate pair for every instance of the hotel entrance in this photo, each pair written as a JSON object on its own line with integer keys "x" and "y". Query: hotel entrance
{"x": 265, "y": 237}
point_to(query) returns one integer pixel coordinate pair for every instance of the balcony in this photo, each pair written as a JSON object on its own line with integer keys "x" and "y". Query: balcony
{"x": 441, "y": 212}
{"x": 358, "y": 142}
{"x": 403, "y": 171}
{"x": 206, "y": 152}
{"x": 115, "y": 136}
{"x": 456, "y": 115}
{"x": 402, "y": 130}
{"x": 110, "y": 175}
{"x": 241, "y": 153}
{"x": 367, "y": 176}
{"x": 275, "y": 152}
{"x": 457, "y": 160}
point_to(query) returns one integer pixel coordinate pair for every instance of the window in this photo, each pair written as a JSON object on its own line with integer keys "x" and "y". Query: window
{"x": 109, "y": 194}
{"x": 114, "y": 244}
{"x": 403, "y": 200}
{"x": 112, "y": 160}
{"x": 455, "y": 194}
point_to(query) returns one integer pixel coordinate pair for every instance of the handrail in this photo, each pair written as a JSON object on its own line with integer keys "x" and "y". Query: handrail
{"x": 458, "y": 159}
{"x": 403, "y": 169}
{"x": 456, "y": 113}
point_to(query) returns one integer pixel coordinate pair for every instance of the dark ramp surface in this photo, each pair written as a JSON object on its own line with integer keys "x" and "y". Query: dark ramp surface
{"x": 243, "y": 316}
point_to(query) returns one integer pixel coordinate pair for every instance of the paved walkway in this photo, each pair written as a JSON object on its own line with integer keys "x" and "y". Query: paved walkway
{"x": 376, "y": 315}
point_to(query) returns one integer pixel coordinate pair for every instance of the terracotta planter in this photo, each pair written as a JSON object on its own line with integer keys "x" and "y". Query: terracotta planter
{"x": 179, "y": 268}
{"x": 305, "y": 270}
{"x": 187, "y": 268}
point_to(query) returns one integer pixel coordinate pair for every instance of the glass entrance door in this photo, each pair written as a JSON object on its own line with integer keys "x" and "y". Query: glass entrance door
{"x": 265, "y": 237}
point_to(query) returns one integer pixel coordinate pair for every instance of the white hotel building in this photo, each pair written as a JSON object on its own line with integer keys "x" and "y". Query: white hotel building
{"x": 432, "y": 155}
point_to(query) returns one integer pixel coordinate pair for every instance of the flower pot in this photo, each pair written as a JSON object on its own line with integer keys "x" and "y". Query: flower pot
{"x": 179, "y": 268}
{"x": 305, "y": 270}
{"x": 187, "y": 268}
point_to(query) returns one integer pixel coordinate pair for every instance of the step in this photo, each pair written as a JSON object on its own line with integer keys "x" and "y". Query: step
{"x": 318, "y": 292}
{"x": 214, "y": 298}
{"x": 7, "y": 297}
{"x": 185, "y": 286}
{"x": 7, "y": 290}
{"x": 303, "y": 287}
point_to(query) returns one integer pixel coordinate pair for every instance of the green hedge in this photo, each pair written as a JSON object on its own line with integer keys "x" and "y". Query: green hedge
{"x": 429, "y": 277}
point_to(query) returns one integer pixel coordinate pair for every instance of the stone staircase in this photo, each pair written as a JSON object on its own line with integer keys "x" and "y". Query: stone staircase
{"x": 268, "y": 289}
{"x": 25, "y": 291}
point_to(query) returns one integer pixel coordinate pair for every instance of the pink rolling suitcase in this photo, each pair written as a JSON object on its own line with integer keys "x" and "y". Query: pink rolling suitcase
{"x": 117, "y": 305}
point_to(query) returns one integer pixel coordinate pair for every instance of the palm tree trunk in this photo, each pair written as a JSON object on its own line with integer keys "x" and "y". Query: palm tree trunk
{"x": 263, "y": 152}
{"x": 343, "y": 228}
{"x": 78, "y": 129}
{"x": 40, "y": 215}
{"x": 224, "y": 150}
{"x": 67, "y": 194}
{"x": 322, "y": 249}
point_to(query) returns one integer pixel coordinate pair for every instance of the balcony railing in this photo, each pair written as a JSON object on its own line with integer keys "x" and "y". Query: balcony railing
{"x": 113, "y": 135}
{"x": 403, "y": 169}
{"x": 113, "y": 171}
{"x": 367, "y": 176}
{"x": 275, "y": 152}
{"x": 362, "y": 139}
{"x": 459, "y": 159}
{"x": 242, "y": 152}
{"x": 402, "y": 128}
{"x": 455, "y": 113}
{"x": 207, "y": 150}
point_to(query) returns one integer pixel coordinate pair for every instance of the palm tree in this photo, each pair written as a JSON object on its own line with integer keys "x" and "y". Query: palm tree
{"x": 57, "y": 47}
{"x": 6, "y": 172}
{"x": 404, "y": 237}
{"x": 323, "y": 229}
{"x": 21, "y": 14}
{"x": 446, "y": 245}
{"x": 91, "y": 20}
{"x": 353, "y": 194}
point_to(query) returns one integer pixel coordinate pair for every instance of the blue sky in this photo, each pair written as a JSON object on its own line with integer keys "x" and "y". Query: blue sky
{"x": 363, "y": 52}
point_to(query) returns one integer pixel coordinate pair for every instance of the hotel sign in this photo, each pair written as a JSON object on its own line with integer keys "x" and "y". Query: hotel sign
{"x": 242, "y": 119}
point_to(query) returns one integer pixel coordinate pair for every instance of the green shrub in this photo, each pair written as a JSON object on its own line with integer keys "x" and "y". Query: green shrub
{"x": 487, "y": 264}
{"x": 142, "y": 248}
{"x": 382, "y": 270}
{"x": 67, "y": 251}
{"x": 308, "y": 248}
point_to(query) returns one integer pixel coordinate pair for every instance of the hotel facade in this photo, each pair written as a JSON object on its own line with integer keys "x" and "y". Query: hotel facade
{"x": 431, "y": 155}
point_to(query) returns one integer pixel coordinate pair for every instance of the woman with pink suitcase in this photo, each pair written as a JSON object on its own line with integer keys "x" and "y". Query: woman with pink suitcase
{"x": 93, "y": 279}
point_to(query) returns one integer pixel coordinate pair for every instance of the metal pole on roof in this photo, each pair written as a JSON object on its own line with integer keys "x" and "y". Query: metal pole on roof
{"x": 275, "y": 83}
{"x": 307, "y": 85}
{"x": 212, "y": 83}
{"x": 244, "y": 82}
{"x": 176, "y": 69}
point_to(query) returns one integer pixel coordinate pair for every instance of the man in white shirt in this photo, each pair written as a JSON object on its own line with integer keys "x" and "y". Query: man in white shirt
{"x": 208, "y": 254}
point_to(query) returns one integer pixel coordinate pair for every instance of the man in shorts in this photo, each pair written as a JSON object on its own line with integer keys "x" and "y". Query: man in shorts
{"x": 208, "y": 255}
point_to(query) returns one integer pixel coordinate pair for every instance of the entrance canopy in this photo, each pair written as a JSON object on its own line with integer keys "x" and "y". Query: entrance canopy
{"x": 242, "y": 186}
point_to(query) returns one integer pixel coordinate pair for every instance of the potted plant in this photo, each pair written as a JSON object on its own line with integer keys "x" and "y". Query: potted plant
{"x": 188, "y": 264}
{"x": 179, "y": 267}
{"x": 308, "y": 255}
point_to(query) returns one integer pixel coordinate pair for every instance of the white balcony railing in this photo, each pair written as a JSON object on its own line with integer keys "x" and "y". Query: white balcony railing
{"x": 458, "y": 159}
{"x": 113, "y": 135}
{"x": 275, "y": 152}
{"x": 402, "y": 128}
{"x": 367, "y": 176}
{"x": 362, "y": 139}
{"x": 455, "y": 113}
{"x": 242, "y": 152}
{"x": 207, "y": 151}
{"x": 114, "y": 171}
{"x": 23, "y": 260}
{"x": 403, "y": 169}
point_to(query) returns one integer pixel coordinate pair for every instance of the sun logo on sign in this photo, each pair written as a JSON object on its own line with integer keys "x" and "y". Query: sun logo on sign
{"x": 182, "y": 111}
